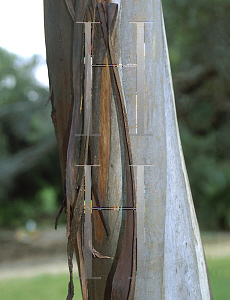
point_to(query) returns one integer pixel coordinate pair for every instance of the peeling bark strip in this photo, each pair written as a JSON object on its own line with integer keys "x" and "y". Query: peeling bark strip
{"x": 65, "y": 54}
{"x": 122, "y": 286}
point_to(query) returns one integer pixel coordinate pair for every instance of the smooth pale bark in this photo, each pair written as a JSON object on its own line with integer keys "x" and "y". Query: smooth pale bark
{"x": 173, "y": 249}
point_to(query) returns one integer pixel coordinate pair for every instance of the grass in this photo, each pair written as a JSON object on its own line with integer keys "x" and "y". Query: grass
{"x": 219, "y": 271}
{"x": 43, "y": 287}
{"x": 54, "y": 287}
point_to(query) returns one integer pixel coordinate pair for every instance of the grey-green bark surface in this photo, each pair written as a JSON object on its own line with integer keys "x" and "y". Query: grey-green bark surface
{"x": 174, "y": 255}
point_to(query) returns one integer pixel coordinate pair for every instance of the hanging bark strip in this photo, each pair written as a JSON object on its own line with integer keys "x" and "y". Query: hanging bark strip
{"x": 64, "y": 38}
{"x": 122, "y": 285}
{"x": 59, "y": 48}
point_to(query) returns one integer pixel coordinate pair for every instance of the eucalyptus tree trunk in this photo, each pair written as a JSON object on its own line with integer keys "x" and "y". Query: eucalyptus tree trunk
{"x": 144, "y": 242}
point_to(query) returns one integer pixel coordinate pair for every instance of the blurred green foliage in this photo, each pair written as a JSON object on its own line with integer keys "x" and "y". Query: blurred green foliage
{"x": 30, "y": 178}
{"x": 198, "y": 34}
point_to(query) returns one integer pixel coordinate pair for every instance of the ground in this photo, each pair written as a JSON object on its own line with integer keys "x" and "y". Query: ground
{"x": 24, "y": 254}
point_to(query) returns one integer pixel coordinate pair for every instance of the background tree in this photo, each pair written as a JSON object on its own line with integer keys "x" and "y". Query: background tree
{"x": 30, "y": 174}
{"x": 198, "y": 36}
